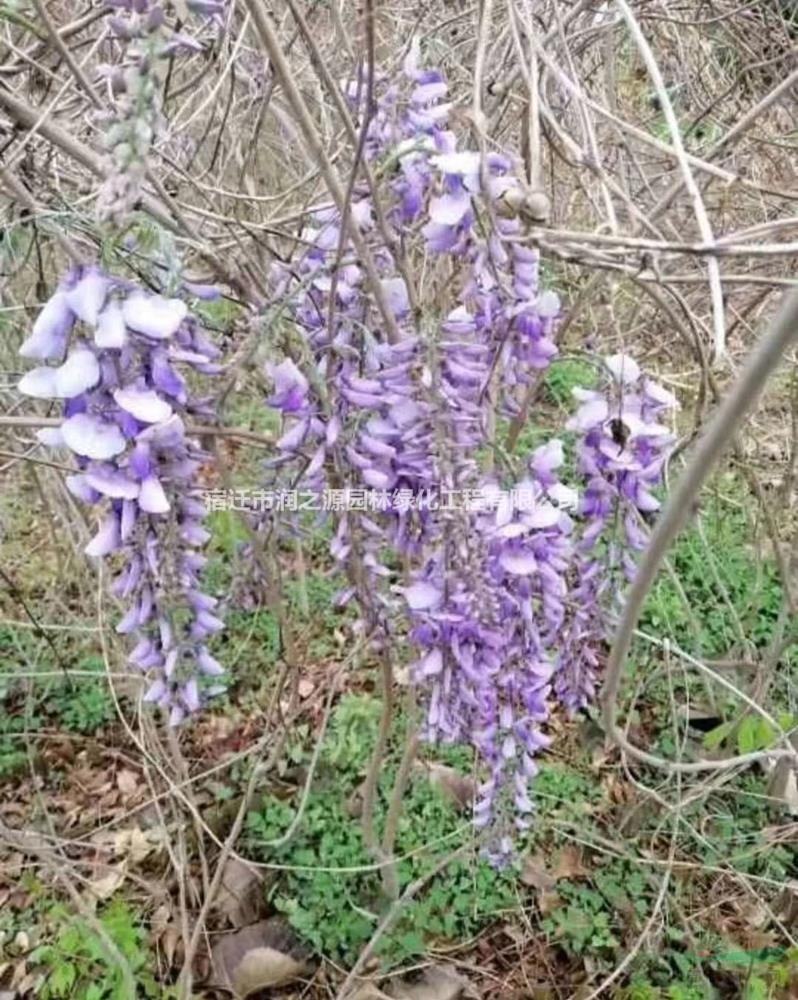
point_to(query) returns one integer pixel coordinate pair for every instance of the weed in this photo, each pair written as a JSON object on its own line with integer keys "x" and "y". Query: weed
{"x": 13, "y": 749}
{"x": 77, "y": 966}
{"x": 566, "y": 375}
{"x": 82, "y": 704}
{"x": 751, "y": 584}
{"x": 330, "y": 891}
{"x": 77, "y": 703}
{"x": 352, "y": 732}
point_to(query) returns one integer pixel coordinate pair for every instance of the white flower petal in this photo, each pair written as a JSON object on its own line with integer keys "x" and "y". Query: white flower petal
{"x": 395, "y": 291}
{"x": 152, "y": 498}
{"x": 589, "y": 415}
{"x": 518, "y": 563}
{"x": 566, "y": 497}
{"x": 169, "y": 434}
{"x": 545, "y": 515}
{"x": 50, "y": 331}
{"x": 421, "y": 596}
{"x": 659, "y": 394}
{"x": 431, "y": 664}
{"x": 78, "y": 373}
{"x": 143, "y": 404}
{"x": 425, "y": 93}
{"x": 106, "y": 539}
{"x": 154, "y": 315}
{"x": 411, "y": 60}
{"x": 87, "y": 298}
{"x": 112, "y": 484}
{"x": 504, "y": 510}
{"x": 51, "y": 436}
{"x": 623, "y": 369}
{"x": 449, "y": 209}
{"x": 79, "y": 488}
{"x": 91, "y": 437}
{"x": 39, "y": 383}
{"x": 548, "y": 305}
{"x": 514, "y": 530}
{"x": 638, "y": 427}
{"x": 462, "y": 164}
{"x": 111, "y": 331}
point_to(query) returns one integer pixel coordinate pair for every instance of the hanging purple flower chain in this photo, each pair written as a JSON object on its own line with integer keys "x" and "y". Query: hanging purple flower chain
{"x": 124, "y": 404}
{"x": 133, "y": 83}
{"x": 622, "y": 452}
{"x": 505, "y": 604}
{"x": 486, "y": 613}
{"x": 409, "y": 419}
{"x": 463, "y": 199}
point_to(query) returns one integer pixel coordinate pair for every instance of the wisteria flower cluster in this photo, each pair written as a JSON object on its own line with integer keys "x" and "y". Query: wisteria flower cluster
{"x": 623, "y": 448}
{"x": 506, "y": 608}
{"x": 115, "y": 353}
{"x": 139, "y": 27}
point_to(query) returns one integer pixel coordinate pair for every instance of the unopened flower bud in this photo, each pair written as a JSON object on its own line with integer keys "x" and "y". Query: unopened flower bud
{"x": 509, "y": 203}
{"x": 536, "y": 207}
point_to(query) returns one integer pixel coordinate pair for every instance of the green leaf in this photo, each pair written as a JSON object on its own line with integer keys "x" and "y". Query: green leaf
{"x": 62, "y": 979}
{"x": 718, "y": 735}
{"x": 412, "y": 942}
{"x": 751, "y": 736}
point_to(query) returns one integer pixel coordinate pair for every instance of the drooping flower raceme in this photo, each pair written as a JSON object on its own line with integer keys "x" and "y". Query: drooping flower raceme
{"x": 116, "y": 353}
{"x": 486, "y": 613}
{"x": 406, "y": 420}
{"x": 622, "y": 451}
{"x": 139, "y": 27}
{"x": 505, "y": 603}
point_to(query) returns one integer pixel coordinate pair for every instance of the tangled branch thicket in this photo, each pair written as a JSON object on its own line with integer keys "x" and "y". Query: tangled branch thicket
{"x": 502, "y": 283}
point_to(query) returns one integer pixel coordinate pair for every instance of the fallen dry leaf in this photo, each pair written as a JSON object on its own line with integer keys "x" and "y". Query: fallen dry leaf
{"x": 127, "y": 782}
{"x": 370, "y": 992}
{"x": 457, "y": 788}
{"x": 535, "y": 874}
{"x": 305, "y": 688}
{"x": 169, "y": 940}
{"x": 548, "y": 902}
{"x": 160, "y": 919}
{"x": 240, "y": 897}
{"x": 258, "y": 957}
{"x": 263, "y": 968}
{"x": 786, "y": 905}
{"x": 783, "y": 786}
{"x": 756, "y": 916}
{"x": 132, "y": 843}
{"x": 21, "y": 942}
{"x": 354, "y": 804}
{"x": 569, "y": 864}
{"x": 103, "y": 888}
{"x": 437, "y": 982}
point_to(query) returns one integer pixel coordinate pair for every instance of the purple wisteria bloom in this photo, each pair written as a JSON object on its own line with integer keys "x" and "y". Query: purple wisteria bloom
{"x": 623, "y": 447}
{"x": 500, "y": 602}
{"x": 124, "y": 408}
{"x": 135, "y": 120}
{"x": 404, "y": 421}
